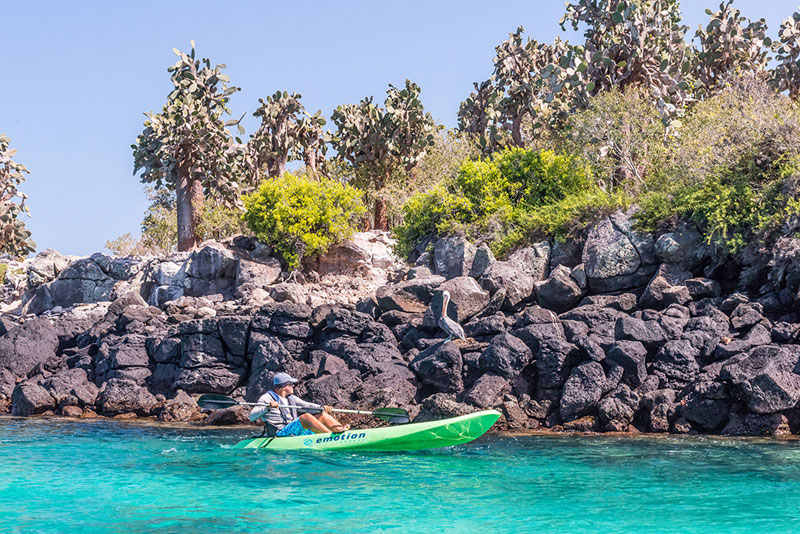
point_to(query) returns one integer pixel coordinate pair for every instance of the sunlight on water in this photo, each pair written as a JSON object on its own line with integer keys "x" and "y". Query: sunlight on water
{"x": 64, "y": 476}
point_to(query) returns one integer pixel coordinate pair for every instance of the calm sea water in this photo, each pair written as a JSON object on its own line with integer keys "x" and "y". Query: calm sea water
{"x": 78, "y": 476}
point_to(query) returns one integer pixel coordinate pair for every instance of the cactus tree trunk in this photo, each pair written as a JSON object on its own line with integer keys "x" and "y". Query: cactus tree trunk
{"x": 190, "y": 210}
{"x": 381, "y": 219}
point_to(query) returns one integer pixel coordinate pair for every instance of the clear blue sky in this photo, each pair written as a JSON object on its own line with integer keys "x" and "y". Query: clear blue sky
{"x": 78, "y": 76}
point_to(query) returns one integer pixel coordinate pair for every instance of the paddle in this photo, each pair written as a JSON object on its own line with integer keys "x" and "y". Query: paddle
{"x": 211, "y": 401}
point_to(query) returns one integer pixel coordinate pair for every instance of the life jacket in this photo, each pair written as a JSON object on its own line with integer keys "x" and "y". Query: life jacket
{"x": 292, "y": 412}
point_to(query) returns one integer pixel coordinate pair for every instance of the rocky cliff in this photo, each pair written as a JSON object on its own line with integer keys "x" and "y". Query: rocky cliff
{"x": 619, "y": 331}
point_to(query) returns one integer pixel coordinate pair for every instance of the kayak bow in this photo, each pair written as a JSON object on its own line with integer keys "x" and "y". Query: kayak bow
{"x": 409, "y": 437}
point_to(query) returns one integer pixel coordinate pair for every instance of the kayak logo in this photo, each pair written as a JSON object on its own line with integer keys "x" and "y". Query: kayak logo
{"x": 341, "y": 437}
{"x": 308, "y": 442}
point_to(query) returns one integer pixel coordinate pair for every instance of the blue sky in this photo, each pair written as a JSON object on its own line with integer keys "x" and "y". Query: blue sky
{"x": 78, "y": 77}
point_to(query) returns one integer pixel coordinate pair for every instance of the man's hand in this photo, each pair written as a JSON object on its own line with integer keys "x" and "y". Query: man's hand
{"x": 273, "y": 404}
{"x": 327, "y": 409}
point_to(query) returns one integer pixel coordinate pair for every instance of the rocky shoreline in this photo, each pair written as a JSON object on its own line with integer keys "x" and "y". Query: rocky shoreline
{"x": 616, "y": 332}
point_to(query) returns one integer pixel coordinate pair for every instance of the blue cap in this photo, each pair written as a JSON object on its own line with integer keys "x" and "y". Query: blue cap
{"x": 283, "y": 378}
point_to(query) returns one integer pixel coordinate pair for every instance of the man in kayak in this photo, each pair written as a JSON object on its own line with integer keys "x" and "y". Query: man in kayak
{"x": 287, "y": 420}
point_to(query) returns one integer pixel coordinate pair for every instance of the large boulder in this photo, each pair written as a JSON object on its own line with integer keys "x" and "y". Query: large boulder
{"x": 71, "y": 387}
{"x": 334, "y": 389}
{"x": 453, "y": 256}
{"x": 616, "y": 257}
{"x": 467, "y": 299}
{"x": 650, "y": 333}
{"x": 84, "y": 281}
{"x": 676, "y": 363}
{"x": 685, "y": 247}
{"x": 371, "y": 249}
{"x": 25, "y": 346}
{"x": 440, "y": 367}
{"x": 515, "y": 283}
{"x": 125, "y": 396}
{"x": 582, "y": 390}
{"x": 631, "y": 356}
{"x": 561, "y": 291}
{"x": 618, "y": 408}
{"x": 210, "y": 270}
{"x": 706, "y": 405}
{"x": 181, "y": 407}
{"x": 533, "y": 260}
{"x": 483, "y": 259}
{"x": 31, "y": 398}
{"x": 441, "y": 406}
{"x": 487, "y": 391}
{"x": 766, "y": 378}
{"x": 658, "y": 407}
{"x": 46, "y": 266}
{"x": 505, "y": 356}
{"x": 412, "y": 296}
{"x": 554, "y": 360}
{"x": 222, "y": 380}
{"x": 665, "y": 288}
{"x": 251, "y": 275}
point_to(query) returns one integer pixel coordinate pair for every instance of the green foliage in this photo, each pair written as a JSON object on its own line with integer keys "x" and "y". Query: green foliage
{"x": 752, "y": 200}
{"x": 159, "y": 225}
{"x": 301, "y": 216}
{"x": 622, "y": 137}
{"x": 433, "y": 212}
{"x": 497, "y": 200}
{"x": 562, "y": 219}
{"x": 3, "y": 269}
{"x": 221, "y": 222}
{"x": 15, "y": 239}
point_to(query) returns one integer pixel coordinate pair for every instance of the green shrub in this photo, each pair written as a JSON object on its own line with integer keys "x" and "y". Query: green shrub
{"x": 3, "y": 269}
{"x": 493, "y": 199}
{"x": 434, "y": 212}
{"x": 220, "y": 222}
{"x": 301, "y": 216}
{"x": 731, "y": 206}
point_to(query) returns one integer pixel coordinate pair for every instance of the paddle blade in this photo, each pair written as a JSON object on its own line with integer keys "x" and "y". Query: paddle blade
{"x": 392, "y": 415}
{"x": 215, "y": 402}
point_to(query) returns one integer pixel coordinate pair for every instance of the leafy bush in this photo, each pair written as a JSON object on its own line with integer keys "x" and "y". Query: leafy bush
{"x": 731, "y": 206}
{"x": 732, "y": 167}
{"x": 621, "y": 135}
{"x": 300, "y": 216}
{"x": 220, "y": 222}
{"x": 495, "y": 200}
{"x": 3, "y": 269}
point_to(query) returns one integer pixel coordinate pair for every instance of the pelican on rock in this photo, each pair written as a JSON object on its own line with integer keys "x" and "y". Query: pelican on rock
{"x": 450, "y": 327}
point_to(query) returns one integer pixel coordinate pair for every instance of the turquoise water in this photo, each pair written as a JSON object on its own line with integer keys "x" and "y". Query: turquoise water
{"x": 102, "y": 476}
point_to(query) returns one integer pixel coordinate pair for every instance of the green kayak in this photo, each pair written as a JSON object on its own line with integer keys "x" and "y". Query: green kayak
{"x": 408, "y": 437}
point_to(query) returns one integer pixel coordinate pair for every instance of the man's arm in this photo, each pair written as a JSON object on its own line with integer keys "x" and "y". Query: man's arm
{"x": 294, "y": 400}
{"x": 261, "y": 411}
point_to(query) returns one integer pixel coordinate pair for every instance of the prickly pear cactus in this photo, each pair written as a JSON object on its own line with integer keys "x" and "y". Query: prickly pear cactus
{"x": 786, "y": 75}
{"x": 15, "y": 239}
{"x": 729, "y": 44}
{"x": 189, "y": 135}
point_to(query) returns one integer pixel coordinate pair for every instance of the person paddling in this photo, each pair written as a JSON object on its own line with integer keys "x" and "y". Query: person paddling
{"x": 287, "y": 420}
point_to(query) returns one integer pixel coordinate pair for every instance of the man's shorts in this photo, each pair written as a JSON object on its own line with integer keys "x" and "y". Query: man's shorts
{"x": 293, "y": 429}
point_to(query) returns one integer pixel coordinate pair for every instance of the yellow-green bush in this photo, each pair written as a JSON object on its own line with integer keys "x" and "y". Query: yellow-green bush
{"x": 493, "y": 199}
{"x": 732, "y": 167}
{"x": 301, "y": 216}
